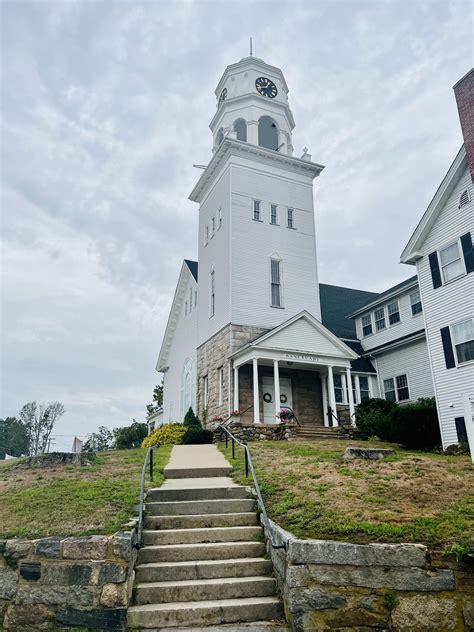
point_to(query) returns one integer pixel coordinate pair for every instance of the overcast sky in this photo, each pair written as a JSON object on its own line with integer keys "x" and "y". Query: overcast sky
{"x": 106, "y": 107}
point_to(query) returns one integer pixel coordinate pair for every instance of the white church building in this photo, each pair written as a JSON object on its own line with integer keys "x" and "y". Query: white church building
{"x": 252, "y": 329}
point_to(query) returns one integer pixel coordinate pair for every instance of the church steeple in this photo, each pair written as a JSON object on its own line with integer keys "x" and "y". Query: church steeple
{"x": 252, "y": 106}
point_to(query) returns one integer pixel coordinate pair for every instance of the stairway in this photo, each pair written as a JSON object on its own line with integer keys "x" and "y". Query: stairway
{"x": 202, "y": 563}
{"x": 313, "y": 432}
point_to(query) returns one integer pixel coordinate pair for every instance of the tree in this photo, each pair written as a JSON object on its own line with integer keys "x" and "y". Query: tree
{"x": 13, "y": 437}
{"x": 130, "y": 436}
{"x": 39, "y": 421}
{"x": 99, "y": 441}
{"x": 157, "y": 399}
{"x": 191, "y": 420}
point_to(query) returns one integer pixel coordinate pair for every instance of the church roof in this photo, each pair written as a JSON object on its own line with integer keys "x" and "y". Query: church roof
{"x": 336, "y": 305}
{"x": 193, "y": 267}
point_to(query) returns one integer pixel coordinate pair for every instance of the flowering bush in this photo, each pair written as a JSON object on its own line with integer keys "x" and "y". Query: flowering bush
{"x": 285, "y": 414}
{"x": 235, "y": 413}
{"x": 167, "y": 433}
{"x": 217, "y": 419}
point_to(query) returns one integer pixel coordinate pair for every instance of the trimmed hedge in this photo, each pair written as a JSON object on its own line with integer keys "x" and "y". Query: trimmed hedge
{"x": 197, "y": 436}
{"x": 373, "y": 418}
{"x": 167, "y": 433}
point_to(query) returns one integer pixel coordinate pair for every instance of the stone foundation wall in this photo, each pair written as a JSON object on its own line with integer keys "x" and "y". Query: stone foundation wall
{"x": 258, "y": 432}
{"x": 55, "y": 583}
{"x": 330, "y": 585}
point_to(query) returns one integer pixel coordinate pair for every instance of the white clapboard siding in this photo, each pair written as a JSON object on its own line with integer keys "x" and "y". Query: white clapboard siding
{"x": 447, "y": 305}
{"x": 412, "y": 360}
{"x": 302, "y": 336}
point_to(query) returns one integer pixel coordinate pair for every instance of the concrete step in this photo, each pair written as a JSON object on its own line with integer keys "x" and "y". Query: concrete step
{"x": 200, "y": 472}
{"x": 204, "y": 493}
{"x": 187, "y": 507}
{"x": 199, "y": 522}
{"x": 207, "y": 569}
{"x": 198, "y": 552}
{"x": 204, "y": 589}
{"x": 189, "y": 613}
{"x": 196, "y": 536}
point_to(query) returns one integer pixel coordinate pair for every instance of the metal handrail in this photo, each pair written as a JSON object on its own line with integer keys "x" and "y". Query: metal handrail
{"x": 249, "y": 464}
{"x": 341, "y": 424}
{"x": 148, "y": 460}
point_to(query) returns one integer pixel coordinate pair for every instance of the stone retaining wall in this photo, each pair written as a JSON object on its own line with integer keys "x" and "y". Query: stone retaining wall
{"x": 330, "y": 585}
{"x": 55, "y": 583}
{"x": 258, "y": 432}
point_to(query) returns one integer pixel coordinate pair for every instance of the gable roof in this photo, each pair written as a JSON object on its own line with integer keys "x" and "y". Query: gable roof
{"x": 391, "y": 292}
{"x": 361, "y": 364}
{"x": 337, "y": 303}
{"x": 412, "y": 250}
{"x": 193, "y": 267}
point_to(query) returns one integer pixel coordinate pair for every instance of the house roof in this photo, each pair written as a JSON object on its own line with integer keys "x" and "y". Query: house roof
{"x": 337, "y": 303}
{"x": 392, "y": 291}
{"x": 193, "y": 267}
{"x": 362, "y": 364}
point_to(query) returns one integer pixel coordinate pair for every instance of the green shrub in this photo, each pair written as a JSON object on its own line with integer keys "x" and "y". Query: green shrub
{"x": 416, "y": 425}
{"x": 167, "y": 433}
{"x": 197, "y": 436}
{"x": 191, "y": 420}
{"x": 373, "y": 418}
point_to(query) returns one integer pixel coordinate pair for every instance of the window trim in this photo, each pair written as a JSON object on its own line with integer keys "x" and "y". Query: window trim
{"x": 274, "y": 207}
{"x": 412, "y": 304}
{"x": 205, "y": 388}
{"x": 455, "y": 353}
{"x": 213, "y": 226}
{"x": 219, "y": 218}
{"x": 461, "y": 257}
{"x": 206, "y": 235}
{"x": 290, "y": 224}
{"x": 396, "y": 388}
{"x": 220, "y": 385}
{"x": 397, "y": 302}
{"x": 371, "y": 332}
{"x": 212, "y": 293}
{"x": 280, "y": 284}
{"x": 380, "y": 309}
{"x": 257, "y": 211}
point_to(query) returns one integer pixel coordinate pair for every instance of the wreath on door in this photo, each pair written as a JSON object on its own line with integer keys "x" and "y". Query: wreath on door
{"x": 283, "y": 398}
{"x": 267, "y": 398}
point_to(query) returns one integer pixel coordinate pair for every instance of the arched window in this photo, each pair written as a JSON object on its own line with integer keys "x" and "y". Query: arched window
{"x": 267, "y": 133}
{"x": 220, "y": 136}
{"x": 240, "y": 128}
{"x": 187, "y": 387}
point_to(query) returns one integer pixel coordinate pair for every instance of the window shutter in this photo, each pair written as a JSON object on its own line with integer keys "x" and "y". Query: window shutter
{"x": 448, "y": 348}
{"x": 468, "y": 252}
{"x": 435, "y": 273}
{"x": 461, "y": 429}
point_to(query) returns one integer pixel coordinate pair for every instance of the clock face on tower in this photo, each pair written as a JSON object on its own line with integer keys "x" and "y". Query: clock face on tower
{"x": 266, "y": 87}
{"x": 222, "y": 97}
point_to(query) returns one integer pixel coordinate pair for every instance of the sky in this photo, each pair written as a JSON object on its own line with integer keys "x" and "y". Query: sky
{"x": 105, "y": 109}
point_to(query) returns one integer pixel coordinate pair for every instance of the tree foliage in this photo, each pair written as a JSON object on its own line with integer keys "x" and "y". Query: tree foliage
{"x": 191, "y": 420}
{"x": 14, "y": 438}
{"x": 157, "y": 399}
{"x": 99, "y": 441}
{"x": 130, "y": 436}
{"x": 39, "y": 422}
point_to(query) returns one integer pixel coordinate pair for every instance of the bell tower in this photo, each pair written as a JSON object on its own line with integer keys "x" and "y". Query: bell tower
{"x": 252, "y": 107}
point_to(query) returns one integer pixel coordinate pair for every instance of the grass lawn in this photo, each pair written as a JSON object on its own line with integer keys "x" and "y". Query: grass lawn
{"x": 410, "y": 497}
{"x": 74, "y": 500}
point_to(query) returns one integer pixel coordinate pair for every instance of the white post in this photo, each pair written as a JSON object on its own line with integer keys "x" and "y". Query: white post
{"x": 252, "y": 132}
{"x": 469, "y": 422}
{"x": 332, "y": 396}
{"x": 358, "y": 397}
{"x": 256, "y": 397}
{"x": 236, "y": 388}
{"x": 350, "y": 393}
{"x": 324, "y": 388}
{"x": 276, "y": 377}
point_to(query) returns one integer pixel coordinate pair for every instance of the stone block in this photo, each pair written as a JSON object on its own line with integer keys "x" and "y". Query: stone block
{"x": 344, "y": 553}
{"x": 113, "y": 620}
{"x": 67, "y": 574}
{"x": 114, "y": 595}
{"x": 121, "y": 543}
{"x": 398, "y": 578}
{"x": 424, "y": 613}
{"x": 112, "y": 574}
{"x": 468, "y": 612}
{"x": 8, "y": 581}
{"x": 16, "y": 550}
{"x": 372, "y": 454}
{"x": 57, "y": 595}
{"x": 30, "y": 571}
{"x": 21, "y": 617}
{"x": 308, "y": 599}
{"x": 49, "y": 547}
{"x": 93, "y": 547}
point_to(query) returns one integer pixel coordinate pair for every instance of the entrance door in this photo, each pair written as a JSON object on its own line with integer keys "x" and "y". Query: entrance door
{"x": 286, "y": 397}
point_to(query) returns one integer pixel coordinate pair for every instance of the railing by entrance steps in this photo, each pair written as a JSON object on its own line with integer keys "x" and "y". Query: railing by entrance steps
{"x": 141, "y": 503}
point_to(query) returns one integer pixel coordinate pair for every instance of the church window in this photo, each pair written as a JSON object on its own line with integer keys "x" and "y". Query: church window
{"x": 275, "y": 282}
{"x": 367, "y": 325}
{"x": 338, "y": 388}
{"x": 240, "y": 129}
{"x": 393, "y": 313}
{"x": 205, "y": 388}
{"x": 273, "y": 214}
{"x": 290, "y": 215}
{"x": 464, "y": 199}
{"x": 220, "y": 383}
{"x": 219, "y": 218}
{"x": 267, "y": 133}
{"x": 379, "y": 316}
{"x": 212, "y": 293}
{"x": 213, "y": 227}
{"x": 256, "y": 210}
{"x": 415, "y": 301}
{"x": 188, "y": 385}
{"x": 206, "y": 235}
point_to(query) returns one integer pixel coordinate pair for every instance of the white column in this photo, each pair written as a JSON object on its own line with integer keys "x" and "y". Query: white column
{"x": 357, "y": 389}
{"x": 236, "y": 388}
{"x": 252, "y": 132}
{"x": 276, "y": 378}
{"x": 350, "y": 394}
{"x": 324, "y": 387}
{"x": 332, "y": 395}
{"x": 256, "y": 397}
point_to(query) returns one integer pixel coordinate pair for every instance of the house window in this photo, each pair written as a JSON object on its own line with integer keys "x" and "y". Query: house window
{"x": 219, "y": 218}
{"x": 463, "y": 340}
{"x": 389, "y": 389}
{"x": 256, "y": 210}
{"x": 415, "y": 301}
{"x": 212, "y": 293}
{"x": 205, "y": 388}
{"x": 402, "y": 388}
{"x": 396, "y": 389}
{"x": 379, "y": 316}
{"x": 367, "y": 325}
{"x": 364, "y": 388}
{"x": 464, "y": 199}
{"x": 275, "y": 283}
{"x": 206, "y": 235}
{"x": 338, "y": 390}
{"x": 213, "y": 227}
{"x": 273, "y": 214}
{"x": 451, "y": 262}
{"x": 393, "y": 313}
{"x": 220, "y": 383}
{"x": 290, "y": 218}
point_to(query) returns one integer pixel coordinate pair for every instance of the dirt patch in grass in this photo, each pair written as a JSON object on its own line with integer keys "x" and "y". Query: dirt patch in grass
{"x": 410, "y": 497}
{"x": 74, "y": 499}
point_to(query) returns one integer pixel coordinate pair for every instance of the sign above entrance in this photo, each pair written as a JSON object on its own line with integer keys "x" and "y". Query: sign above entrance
{"x": 302, "y": 356}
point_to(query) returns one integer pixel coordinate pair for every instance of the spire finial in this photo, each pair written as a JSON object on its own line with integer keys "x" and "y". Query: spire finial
{"x": 251, "y": 47}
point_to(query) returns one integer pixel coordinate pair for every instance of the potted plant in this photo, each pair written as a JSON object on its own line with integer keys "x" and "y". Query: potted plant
{"x": 285, "y": 414}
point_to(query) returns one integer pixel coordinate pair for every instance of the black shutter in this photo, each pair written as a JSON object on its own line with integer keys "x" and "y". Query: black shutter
{"x": 461, "y": 429}
{"x": 468, "y": 252}
{"x": 448, "y": 348}
{"x": 435, "y": 273}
